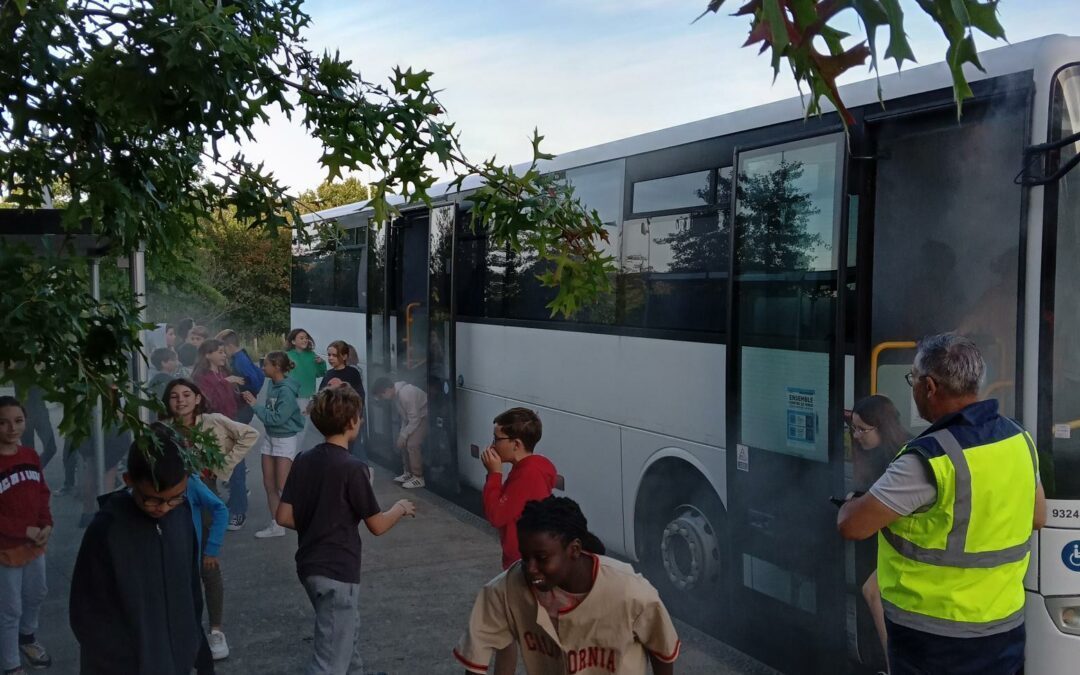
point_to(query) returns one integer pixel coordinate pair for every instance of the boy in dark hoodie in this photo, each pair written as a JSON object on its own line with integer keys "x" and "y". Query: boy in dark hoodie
{"x": 136, "y": 603}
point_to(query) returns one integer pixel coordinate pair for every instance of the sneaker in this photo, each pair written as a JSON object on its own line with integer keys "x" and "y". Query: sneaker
{"x": 413, "y": 483}
{"x": 271, "y": 530}
{"x": 403, "y": 477}
{"x": 219, "y": 648}
{"x": 65, "y": 490}
{"x": 36, "y": 655}
{"x": 236, "y": 521}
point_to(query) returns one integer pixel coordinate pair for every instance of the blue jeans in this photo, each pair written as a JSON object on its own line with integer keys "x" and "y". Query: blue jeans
{"x": 913, "y": 652}
{"x": 238, "y": 499}
{"x": 22, "y": 590}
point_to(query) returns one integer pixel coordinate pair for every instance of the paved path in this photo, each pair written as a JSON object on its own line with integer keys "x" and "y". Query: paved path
{"x": 419, "y": 581}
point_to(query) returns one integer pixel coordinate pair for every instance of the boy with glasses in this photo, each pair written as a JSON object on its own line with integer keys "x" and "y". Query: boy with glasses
{"x": 136, "y": 601}
{"x": 532, "y": 478}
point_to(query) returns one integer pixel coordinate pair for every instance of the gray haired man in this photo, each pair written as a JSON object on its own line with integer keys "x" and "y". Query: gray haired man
{"x": 954, "y": 514}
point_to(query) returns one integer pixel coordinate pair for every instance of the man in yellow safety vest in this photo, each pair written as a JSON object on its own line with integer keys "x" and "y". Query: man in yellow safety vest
{"x": 953, "y": 513}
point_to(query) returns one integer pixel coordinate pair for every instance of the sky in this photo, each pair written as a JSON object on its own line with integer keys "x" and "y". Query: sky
{"x": 583, "y": 72}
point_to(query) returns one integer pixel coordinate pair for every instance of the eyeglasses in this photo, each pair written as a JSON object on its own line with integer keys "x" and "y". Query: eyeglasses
{"x": 496, "y": 439}
{"x": 157, "y": 502}
{"x": 856, "y": 431}
{"x": 911, "y": 378}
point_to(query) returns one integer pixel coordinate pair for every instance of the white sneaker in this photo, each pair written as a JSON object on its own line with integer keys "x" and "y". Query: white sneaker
{"x": 403, "y": 477}
{"x": 271, "y": 530}
{"x": 219, "y": 648}
{"x": 413, "y": 483}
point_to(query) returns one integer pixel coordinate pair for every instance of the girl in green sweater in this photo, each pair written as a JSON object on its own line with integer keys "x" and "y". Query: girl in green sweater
{"x": 309, "y": 366}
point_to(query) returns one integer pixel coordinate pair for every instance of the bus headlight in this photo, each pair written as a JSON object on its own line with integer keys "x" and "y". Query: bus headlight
{"x": 1065, "y": 612}
{"x": 1070, "y": 617}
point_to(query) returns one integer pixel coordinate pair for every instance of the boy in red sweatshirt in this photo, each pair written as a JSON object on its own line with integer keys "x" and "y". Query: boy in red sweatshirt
{"x": 532, "y": 477}
{"x": 25, "y": 526}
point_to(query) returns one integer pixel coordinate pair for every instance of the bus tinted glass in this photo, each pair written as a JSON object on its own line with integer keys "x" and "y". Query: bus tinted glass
{"x": 673, "y": 192}
{"x": 1061, "y": 477}
{"x": 788, "y": 207}
{"x": 947, "y": 231}
{"x": 329, "y": 278}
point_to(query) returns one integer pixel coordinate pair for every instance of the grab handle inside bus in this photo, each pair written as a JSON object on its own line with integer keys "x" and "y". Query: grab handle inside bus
{"x": 408, "y": 332}
{"x": 876, "y": 354}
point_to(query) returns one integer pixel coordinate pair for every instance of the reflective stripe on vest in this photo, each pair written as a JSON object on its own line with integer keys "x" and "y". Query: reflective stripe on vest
{"x": 923, "y": 586}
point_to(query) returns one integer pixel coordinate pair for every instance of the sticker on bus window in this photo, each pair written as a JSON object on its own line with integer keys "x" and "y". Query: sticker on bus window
{"x": 1062, "y": 431}
{"x": 742, "y": 457}
{"x": 801, "y": 418}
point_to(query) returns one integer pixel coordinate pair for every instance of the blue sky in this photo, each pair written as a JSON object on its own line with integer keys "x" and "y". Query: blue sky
{"x": 583, "y": 71}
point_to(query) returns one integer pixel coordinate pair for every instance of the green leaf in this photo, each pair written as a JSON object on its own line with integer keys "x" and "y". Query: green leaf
{"x": 899, "y": 49}
{"x": 984, "y": 16}
{"x": 774, "y": 16}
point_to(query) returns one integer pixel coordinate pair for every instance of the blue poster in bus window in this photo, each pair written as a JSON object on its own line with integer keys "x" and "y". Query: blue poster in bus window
{"x": 801, "y": 418}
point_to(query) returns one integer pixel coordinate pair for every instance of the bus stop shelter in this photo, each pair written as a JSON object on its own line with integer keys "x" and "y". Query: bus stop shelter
{"x": 41, "y": 228}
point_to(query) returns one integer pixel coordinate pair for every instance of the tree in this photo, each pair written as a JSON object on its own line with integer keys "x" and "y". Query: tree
{"x": 789, "y": 28}
{"x": 330, "y": 194}
{"x": 125, "y": 103}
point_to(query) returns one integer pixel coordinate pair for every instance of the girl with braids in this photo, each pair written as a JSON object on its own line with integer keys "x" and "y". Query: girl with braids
{"x": 568, "y": 607}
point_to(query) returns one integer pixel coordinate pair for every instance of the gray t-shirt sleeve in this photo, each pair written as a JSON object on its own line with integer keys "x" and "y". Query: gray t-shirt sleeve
{"x": 906, "y": 486}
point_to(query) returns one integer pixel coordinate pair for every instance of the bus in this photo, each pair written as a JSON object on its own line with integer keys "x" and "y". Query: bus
{"x": 771, "y": 271}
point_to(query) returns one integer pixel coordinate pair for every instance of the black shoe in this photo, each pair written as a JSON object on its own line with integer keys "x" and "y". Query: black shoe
{"x": 236, "y": 521}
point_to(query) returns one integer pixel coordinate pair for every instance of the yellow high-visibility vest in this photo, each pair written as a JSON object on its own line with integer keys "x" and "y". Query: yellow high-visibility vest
{"x": 957, "y": 569}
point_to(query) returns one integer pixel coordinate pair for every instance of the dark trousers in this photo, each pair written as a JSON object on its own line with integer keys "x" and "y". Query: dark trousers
{"x": 913, "y": 652}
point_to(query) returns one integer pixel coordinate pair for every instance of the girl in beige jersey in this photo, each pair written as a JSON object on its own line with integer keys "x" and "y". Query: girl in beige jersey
{"x": 569, "y": 608}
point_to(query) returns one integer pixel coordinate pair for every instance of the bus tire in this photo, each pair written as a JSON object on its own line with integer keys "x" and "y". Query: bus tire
{"x": 681, "y": 536}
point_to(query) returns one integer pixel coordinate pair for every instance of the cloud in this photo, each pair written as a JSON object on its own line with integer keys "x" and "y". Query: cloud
{"x": 505, "y": 69}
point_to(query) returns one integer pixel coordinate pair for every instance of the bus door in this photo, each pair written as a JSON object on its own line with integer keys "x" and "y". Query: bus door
{"x": 411, "y": 335}
{"x": 786, "y": 368}
{"x": 940, "y": 245}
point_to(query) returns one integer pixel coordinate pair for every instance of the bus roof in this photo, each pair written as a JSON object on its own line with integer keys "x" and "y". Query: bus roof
{"x": 1022, "y": 56}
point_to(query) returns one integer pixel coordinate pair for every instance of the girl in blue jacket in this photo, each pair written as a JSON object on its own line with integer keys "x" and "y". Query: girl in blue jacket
{"x": 283, "y": 419}
{"x": 210, "y": 517}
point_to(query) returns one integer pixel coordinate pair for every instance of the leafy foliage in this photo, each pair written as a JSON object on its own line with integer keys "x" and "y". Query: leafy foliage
{"x": 788, "y": 29}
{"x": 125, "y": 102}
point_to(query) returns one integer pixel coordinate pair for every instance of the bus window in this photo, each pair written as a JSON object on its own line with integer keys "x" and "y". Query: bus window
{"x": 1061, "y": 477}
{"x": 946, "y": 243}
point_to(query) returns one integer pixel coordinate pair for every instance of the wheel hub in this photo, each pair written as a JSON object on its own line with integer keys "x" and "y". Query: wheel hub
{"x": 690, "y": 549}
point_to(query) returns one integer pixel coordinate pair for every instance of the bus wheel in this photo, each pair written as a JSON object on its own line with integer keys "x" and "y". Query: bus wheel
{"x": 681, "y": 540}
{"x": 690, "y": 550}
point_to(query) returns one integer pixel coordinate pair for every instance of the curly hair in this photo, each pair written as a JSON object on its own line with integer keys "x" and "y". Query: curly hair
{"x": 562, "y": 517}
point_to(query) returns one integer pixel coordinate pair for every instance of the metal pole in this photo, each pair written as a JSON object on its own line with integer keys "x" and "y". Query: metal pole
{"x": 98, "y": 428}
{"x": 140, "y": 372}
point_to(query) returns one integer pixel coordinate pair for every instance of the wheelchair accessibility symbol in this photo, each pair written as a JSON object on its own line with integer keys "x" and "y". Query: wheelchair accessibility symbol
{"x": 1070, "y": 555}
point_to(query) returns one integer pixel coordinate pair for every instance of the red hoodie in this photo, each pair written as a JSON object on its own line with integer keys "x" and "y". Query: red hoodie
{"x": 531, "y": 479}
{"x": 24, "y": 502}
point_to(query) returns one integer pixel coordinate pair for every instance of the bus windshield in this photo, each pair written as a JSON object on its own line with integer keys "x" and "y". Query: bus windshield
{"x": 1062, "y": 478}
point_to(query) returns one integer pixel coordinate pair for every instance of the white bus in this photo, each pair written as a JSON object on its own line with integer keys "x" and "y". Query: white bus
{"x": 770, "y": 273}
